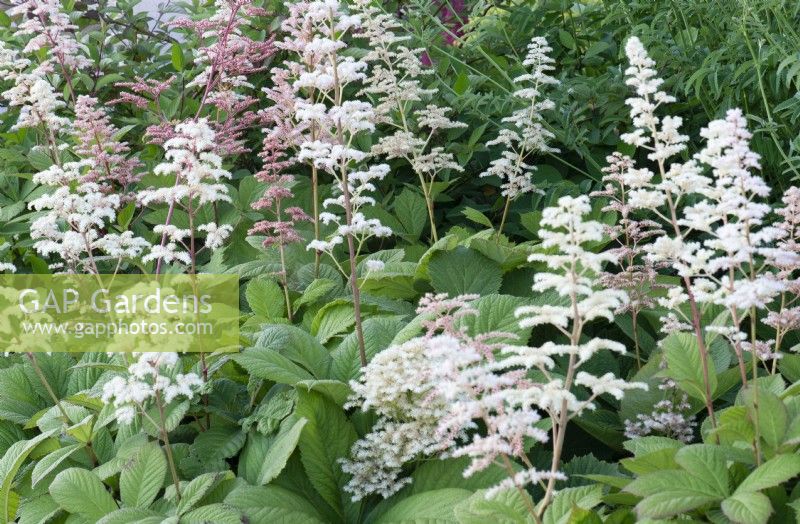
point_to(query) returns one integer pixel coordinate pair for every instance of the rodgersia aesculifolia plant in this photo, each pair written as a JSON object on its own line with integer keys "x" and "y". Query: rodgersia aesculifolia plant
{"x": 322, "y": 78}
{"x": 435, "y": 392}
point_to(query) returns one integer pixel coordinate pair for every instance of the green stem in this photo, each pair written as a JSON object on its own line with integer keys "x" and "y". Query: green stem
{"x": 168, "y": 448}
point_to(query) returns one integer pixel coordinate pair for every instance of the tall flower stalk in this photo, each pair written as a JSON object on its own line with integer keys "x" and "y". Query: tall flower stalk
{"x": 226, "y": 57}
{"x": 448, "y": 393}
{"x": 638, "y": 275}
{"x": 526, "y": 135}
{"x": 394, "y": 81}
{"x": 87, "y": 195}
{"x": 199, "y": 177}
{"x": 661, "y": 138}
{"x": 572, "y": 272}
{"x": 323, "y": 77}
{"x": 152, "y": 380}
{"x": 280, "y": 230}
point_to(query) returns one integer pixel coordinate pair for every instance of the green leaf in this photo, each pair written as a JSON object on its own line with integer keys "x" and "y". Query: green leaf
{"x": 80, "y": 491}
{"x": 137, "y": 515}
{"x": 173, "y": 414}
{"x": 646, "y": 445}
{"x": 396, "y": 280}
{"x": 326, "y": 437}
{"x": 177, "y": 57}
{"x": 733, "y": 425}
{"x": 747, "y": 508}
{"x": 685, "y": 367}
{"x": 461, "y": 83}
{"x": 660, "y": 481}
{"x": 566, "y": 39}
{"x": 464, "y": 271}
{"x": 496, "y": 313}
{"x": 51, "y": 461}
{"x": 769, "y": 413}
{"x": 270, "y": 365}
{"x": 279, "y": 452}
{"x": 142, "y": 477}
{"x": 378, "y": 335}
{"x": 649, "y": 462}
{"x": 265, "y": 298}
{"x": 273, "y": 504}
{"x": 596, "y": 48}
{"x": 333, "y": 319}
{"x": 775, "y": 471}
{"x": 585, "y": 497}
{"x": 39, "y": 510}
{"x": 9, "y": 466}
{"x": 673, "y": 502}
{"x": 125, "y": 216}
{"x": 449, "y": 473}
{"x": 315, "y": 291}
{"x": 222, "y": 440}
{"x": 19, "y": 401}
{"x": 298, "y": 346}
{"x": 507, "y": 507}
{"x": 39, "y": 160}
{"x": 333, "y": 389}
{"x": 412, "y": 213}
{"x": 707, "y": 463}
{"x": 430, "y": 506}
{"x": 477, "y": 217}
{"x": 194, "y": 491}
{"x": 216, "y": 513}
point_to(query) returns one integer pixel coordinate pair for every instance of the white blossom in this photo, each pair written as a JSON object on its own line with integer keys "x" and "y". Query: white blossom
{"x": 528, "y": 134}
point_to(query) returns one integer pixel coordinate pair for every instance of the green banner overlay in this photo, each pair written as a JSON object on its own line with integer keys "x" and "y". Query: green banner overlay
{"x": 119, "y": 313}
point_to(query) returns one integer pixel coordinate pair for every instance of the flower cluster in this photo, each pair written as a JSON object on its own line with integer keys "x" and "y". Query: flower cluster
{"x": 87, "y": 196}
{"x": 153, "y": 377}
{"x": 668, "y": 419}
{"x": 637, "y": 276}
{"x": 48, "y": 28}
{"x": 227, "y": 57}
{"x": 572, "y": 274}
{"x": 199, "y": 177}
{"x": 43, "y": 26}
{"x": 527, "y": 134}
{"x": 430, "y": 394}
{"x": 394, "y": 80}
{"x": 451, "y": 394}
{"x": 95, "y": 139}
{"x": 319, "y": 77}
{"x": 719, "y": 239}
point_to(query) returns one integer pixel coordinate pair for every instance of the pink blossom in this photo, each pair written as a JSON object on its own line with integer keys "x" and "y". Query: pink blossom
{"x": 95, "y": 135}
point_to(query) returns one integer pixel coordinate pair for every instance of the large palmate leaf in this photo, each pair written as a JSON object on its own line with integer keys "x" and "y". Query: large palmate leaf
{"x": 51, "y": 461}
{"x": 294, "y": 344}
{"x": 496, "y": 313}
{"x": 684, "y": 365}
{"x": 142, "y": 477}
{"x": 80, "y": 491}
{"x": 326, "y": 437}
{"x": 273, "y": 504}
{"x": 429, "y": 506}
{"x": 506, "y": 507}
{"x": 9, "y": 466}
{"x": 265, "y": 298}
{"x": 462, "y": 271}
{"x": 279, "y": 451}
{"x": 378, "y": 335}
